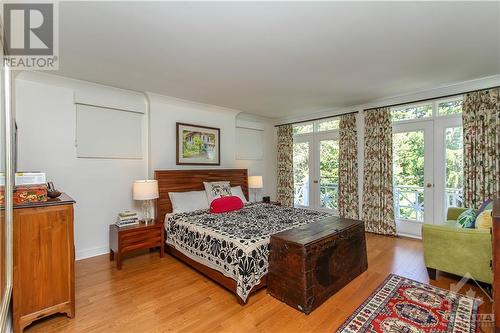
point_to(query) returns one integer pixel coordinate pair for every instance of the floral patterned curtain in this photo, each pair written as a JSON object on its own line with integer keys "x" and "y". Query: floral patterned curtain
{"x": 348, "y": 168}
{"x": 378, "y": 200}
{"x": 481, "y": 126}
{"x": 285, "y": 189}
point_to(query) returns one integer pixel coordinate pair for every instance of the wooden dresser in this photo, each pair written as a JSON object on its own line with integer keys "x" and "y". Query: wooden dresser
{"x": 496, "y": 263}
{"x": 44, "y": 257}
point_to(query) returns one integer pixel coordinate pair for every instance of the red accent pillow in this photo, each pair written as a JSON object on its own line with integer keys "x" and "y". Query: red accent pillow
{"x": 225, "y": 204}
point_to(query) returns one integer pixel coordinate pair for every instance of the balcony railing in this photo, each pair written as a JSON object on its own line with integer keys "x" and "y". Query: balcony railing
{"x": 409, "y": 201}
{"x": 328, "y": 193}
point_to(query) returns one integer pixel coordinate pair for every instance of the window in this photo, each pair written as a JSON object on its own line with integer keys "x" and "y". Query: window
{"x": 329, "y": 173}
{"x": 450, "y": 106}
{"x": 316, "y": 164}
{"x": 328, "y": 125}
{"x": 409, "y": 112}
{"x": 301, "y": 173}
{"x": 302, "y": 128}
{"x": 427, "y": 110}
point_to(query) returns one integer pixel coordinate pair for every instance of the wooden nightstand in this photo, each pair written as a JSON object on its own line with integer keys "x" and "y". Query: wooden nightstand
{"x": 140, "y": 236}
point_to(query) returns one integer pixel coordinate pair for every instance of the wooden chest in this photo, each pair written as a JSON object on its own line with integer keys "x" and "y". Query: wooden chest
{"x": 309, "y": 264}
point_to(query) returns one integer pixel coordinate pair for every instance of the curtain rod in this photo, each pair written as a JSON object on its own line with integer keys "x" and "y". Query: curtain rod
{"x": 314, "y": 119}
{"x": 428, "y": 99}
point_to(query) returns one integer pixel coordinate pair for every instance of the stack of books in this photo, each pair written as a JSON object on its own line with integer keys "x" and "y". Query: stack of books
{"x": 127, "y": 218}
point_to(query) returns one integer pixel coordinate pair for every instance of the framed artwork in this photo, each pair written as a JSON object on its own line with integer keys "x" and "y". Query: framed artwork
{"x": 197, "y": 145}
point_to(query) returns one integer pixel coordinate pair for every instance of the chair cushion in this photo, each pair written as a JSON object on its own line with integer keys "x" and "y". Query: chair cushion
{"x": 466, "y": 219}
{"x": 451, "y": 223}
{"x": 484, "y": 220}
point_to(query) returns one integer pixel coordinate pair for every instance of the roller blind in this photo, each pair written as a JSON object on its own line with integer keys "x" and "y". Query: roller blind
{"x": 108, "y": 133}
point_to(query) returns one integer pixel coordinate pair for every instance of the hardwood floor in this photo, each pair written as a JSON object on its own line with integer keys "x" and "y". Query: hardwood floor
{"x": 151, "y": 294}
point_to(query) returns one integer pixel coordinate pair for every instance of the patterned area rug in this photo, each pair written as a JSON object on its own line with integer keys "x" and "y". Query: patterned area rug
{"x": 402, "y": 305}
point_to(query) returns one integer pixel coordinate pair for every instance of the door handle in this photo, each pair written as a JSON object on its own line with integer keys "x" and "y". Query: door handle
{"x": 315, "y": 181}
{"x": 429, "y": 185}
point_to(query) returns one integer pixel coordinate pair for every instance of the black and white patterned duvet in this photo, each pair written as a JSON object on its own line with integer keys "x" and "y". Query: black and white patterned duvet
{"x": 235, "y": 243}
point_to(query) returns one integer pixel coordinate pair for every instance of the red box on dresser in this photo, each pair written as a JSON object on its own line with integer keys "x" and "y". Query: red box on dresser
{"x": 309, "y": 264}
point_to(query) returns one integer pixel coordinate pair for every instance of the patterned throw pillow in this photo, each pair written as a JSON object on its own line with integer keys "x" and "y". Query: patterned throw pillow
{"x": 487, "y": 204}
{"x": 466, "y": 219}
{"x": 217, "y": 190}
{"x": 484, "y": 220}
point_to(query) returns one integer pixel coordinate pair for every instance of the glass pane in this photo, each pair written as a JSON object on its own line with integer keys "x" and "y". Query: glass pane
{"x": 454, "y": 166}
{"x": 411, "y": 112}
{"x": 302, "y": 129}
{"x": 408, "y": 168}
{"x": 301, "y": 173}
{"x": 328, "y": 125}
{"x": 450, "y": 107}
{"x": 329, "y": 173}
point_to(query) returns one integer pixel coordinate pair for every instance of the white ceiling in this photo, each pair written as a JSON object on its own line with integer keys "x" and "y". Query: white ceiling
{"x": 279, "y": 59}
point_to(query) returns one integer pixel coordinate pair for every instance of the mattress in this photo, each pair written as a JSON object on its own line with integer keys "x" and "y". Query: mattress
{"x": 235, "y": 243}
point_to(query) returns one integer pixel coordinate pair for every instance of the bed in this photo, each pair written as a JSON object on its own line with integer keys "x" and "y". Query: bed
{"x": 230, "y": 248}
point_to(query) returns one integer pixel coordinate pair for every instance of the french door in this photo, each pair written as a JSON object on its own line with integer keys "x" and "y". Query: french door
{"x": 316, "y": 167}
{"x": 413, "y": 176}
{"x": 427, "y": 172}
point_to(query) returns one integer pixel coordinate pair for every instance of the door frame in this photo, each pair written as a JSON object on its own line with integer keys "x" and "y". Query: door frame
{"x": 316, "y": 172}
{"x": 414, "y": 228}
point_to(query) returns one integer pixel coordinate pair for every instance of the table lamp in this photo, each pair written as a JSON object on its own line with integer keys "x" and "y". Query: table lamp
{"x": 146, "y": 191}
{"x": 255, "y": 182}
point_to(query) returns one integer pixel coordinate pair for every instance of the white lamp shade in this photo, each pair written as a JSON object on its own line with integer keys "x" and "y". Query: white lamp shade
{"x": 255, "y": 182}
{"x": 145, "y": 189}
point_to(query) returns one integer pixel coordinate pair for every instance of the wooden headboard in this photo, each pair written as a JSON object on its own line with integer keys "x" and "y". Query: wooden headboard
{"x": 192, "y": 180}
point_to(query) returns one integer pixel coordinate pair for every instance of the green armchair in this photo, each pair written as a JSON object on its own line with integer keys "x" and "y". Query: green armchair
{"x": 456, "y": 250}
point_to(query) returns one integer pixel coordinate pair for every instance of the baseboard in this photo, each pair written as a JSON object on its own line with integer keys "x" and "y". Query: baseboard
{"x": 88, "y": 253}
{"x": 409, "y": 236}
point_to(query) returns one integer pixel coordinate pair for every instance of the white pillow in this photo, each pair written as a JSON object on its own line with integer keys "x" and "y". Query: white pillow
{"x": 216, "y": 190}
{"x": 183, "y": 202}
{"x": 238, "y": 192}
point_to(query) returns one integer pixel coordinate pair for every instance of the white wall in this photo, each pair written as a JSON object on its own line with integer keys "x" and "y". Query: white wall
{"x": 46, "y": 118}
{"x": 267, "y": 167}
{"x": 166, "y": 111}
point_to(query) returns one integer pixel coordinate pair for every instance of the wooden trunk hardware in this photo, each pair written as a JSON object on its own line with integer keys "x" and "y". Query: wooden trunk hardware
{"x": 44, "y": 261}
{"x": 131, "y": 238}
{"x": 309, "y": 264}
{"x": 496, "y": 263}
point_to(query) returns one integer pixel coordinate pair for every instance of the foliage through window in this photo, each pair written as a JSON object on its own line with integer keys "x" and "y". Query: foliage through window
{"x": 408, "y": 174}
{"x": 450, "y": 107}
{"x": 301, "y": 173}
{"x": 411, "y": 112}
{"x": 454, "y": 159}
{"x": 328, "y": 125}
{"x": 329, "y": 173}
{"x": 302, "y": 128}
